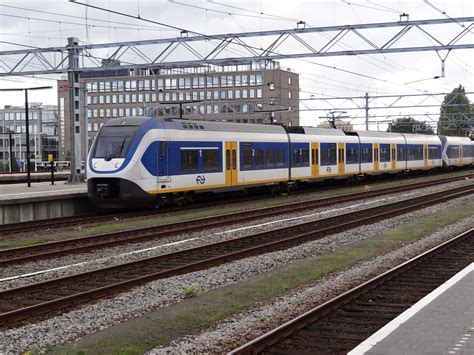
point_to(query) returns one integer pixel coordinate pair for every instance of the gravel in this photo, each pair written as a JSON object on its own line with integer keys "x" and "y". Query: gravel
{"x": 71, "y": 264}
{"x": 75, "y": 324}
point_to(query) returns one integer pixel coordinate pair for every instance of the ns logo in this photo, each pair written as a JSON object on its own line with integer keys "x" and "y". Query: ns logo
{"x": 200, "y": 179}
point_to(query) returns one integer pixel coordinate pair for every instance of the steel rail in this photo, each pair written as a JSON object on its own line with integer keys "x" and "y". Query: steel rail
{"x": 50, "y": 296}
{"x": 107, "y": 240}
{"x": 351, "y": 300}
{"x": 61, "y": 222}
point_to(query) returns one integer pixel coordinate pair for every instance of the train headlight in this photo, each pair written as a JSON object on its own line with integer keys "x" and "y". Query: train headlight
{"x": 117, "y": 165}
{"x": 95, "y": 165}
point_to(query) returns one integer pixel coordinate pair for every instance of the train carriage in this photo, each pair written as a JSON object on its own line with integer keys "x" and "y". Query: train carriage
{"x": 457, "y": 151}
{"x": 143, "y": 161}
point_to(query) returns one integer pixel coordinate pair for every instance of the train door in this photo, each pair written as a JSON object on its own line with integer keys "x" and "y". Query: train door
{"x": 163, "y": 163}
{"x": 394, "y": 157}
{"x": 425, "y": 151}
{"x": 376, "y": 157}
{"x": 230, "y": 163}
{"x": 315, "y": 160}
{"x": 341, "y": 158}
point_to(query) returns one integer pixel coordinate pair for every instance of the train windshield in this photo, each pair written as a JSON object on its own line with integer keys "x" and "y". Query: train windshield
{"x": 113, "y": 141}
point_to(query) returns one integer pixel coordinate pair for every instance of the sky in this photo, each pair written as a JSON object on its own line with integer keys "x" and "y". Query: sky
{"x": 49, "y": 23}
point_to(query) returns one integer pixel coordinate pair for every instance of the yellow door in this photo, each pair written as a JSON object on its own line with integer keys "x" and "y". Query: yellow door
{"x": 230, "y": 163}
{"x": 376, "y": 157}
{"x": 394, "y": 157}
{"x": 341, "y": 158}
{"x": 426, "y": 154}
{"x": 314, "y": 160}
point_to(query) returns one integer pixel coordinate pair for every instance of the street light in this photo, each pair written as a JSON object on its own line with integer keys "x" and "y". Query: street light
{"x": 28, "y": 176}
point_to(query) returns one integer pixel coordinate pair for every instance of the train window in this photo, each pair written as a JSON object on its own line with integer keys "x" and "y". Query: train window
{"x": 401, "y": 153}
{"x": 258, "y": 158}
{"x": 234, "y": 159}
{"x": 269, "y": 159}
{"x": 113, "y": 141}
{"x": 279, "y": 158}
{"x": 433, "y": 152}
{"x": 189, "y": 160}
{"x": 247, "y": 159}
{"x": 384, "y": 153}
{"x": 366, "y": 153}
{"x": 352, "y": 155}
{"x": 415, "y": 152}
{"x": 227, "y": 159}
{"x": 296, "y": 157}
{"x": 328, "y": 154}
{"x": 210, "y": 159}
{"x": 453, "y": 151}
{"x": 305, "y": 157}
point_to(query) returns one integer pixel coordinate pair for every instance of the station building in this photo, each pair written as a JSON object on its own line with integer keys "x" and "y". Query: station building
{"x": 245, "y": 93}
{"x": 44, "y": 133}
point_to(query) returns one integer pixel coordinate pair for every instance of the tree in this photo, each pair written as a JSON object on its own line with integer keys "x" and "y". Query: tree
{"x": 15, "y": 167}
{"x": 456, "y": 112}
{"x": 409, "y": 125}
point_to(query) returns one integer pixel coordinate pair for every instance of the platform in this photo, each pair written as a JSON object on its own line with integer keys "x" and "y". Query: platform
{"x": 19, "y": 203}
{"x": 440, "y": 323}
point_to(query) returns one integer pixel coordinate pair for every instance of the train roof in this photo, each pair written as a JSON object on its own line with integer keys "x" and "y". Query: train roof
{"x": 179, "y": 124}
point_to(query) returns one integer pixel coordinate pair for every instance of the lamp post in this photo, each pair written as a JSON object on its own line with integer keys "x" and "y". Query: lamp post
{"x": 28, "y": 176}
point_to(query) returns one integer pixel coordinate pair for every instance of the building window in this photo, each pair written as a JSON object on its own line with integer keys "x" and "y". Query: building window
{"x": 89, "y": 127}
{"x": 101, "y": 112}
{"x": 96, "y": 126}
{"x": 114, "y": 112}
{"x": 223, "y": 81}
{"x": 134, "y": 97}
{"x": 259, "y": 94}
{"x": 174, "y": 83}
{"x": 160, "y": 84}
{"x": 127, "y": 98}
{"x": 201, "y": 82}
{"x": 107, "y": 112}
{"x": 289, "y": 80}
{"x": 147, "y": 97}
{"x": 238, "y": 80}
{"x": 237, "y": 94}
{"x": 244, "y": 80}
{"x": 253, "y": 80}
{"x": 230, "y": 95}
{"x": 258, "y": 79}
{"x": 89, "y": 100}
{"x": 223, "y": 94}
{"x": 244, "y": 94}
{"x": 153, "y": 97}
{"x": 120, "y": 99}
{"x": 114, "y": 86}
{"x": 107, "y": 86}
{"x": 140, "y": 97}
{"x": 95, "y": 113}
{"x": 107, "y": 99}
{"x": 209, "y": 95}
{"x": 114, "y": 99}
{"x": 252, "y": 94}
{"x": 95, "y": 100}
{"x": 201, "y": 95}
{"x": 289, "y": 94}
{"x": 174, "y": 96}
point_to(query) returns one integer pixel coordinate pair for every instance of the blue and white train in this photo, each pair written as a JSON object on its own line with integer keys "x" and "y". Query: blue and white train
{"x": 143, "y": 161}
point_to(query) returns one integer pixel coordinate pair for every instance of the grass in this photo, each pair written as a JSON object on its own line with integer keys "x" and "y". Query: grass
{"x": 25, "y": 243}
{"x": 194, "y": 314}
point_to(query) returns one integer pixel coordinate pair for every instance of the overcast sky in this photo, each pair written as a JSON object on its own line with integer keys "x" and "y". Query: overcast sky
{"x": 41, "y": 24}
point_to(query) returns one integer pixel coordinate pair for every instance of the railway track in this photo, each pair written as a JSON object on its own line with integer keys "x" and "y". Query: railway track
{"x": 23, "y": 303}
{"x": 342, "y": 323}
{"x": 88, "y": 243}
{"x": 62, "y": 222}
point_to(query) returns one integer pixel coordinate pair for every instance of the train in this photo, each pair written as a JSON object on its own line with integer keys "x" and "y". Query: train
{"x": 149, "y": 161}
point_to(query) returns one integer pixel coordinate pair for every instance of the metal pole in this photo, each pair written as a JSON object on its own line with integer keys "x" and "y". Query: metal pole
{"x": 366, "y": 111}
{"x": 10, "y": 143}
{"x": 86, "y": 131}
{"x": 28, "y": 176}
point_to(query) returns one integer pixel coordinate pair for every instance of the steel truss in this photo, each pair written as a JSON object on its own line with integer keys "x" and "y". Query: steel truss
{"x": 235, "y": 48}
